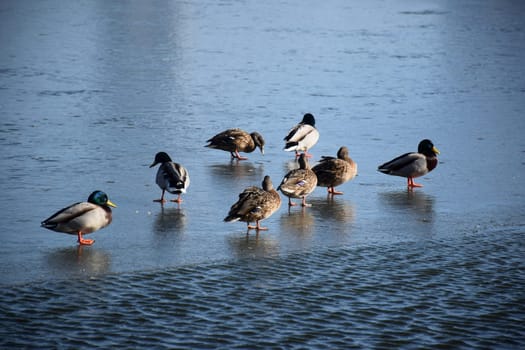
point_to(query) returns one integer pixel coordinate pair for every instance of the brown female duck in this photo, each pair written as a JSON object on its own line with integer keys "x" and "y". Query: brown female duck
{"x": 255, "y": 204}
{"x": 299, "y": 183}
{"x": 332, "y": 172}
{"x": 235, "y": 141}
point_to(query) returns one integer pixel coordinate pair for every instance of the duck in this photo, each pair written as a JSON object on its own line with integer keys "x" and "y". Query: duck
{"x": 332, "y": 172}
{"x": 413, "y": 164}
{"x": 299, "y": 183}
{"x": 302, "y": 136}
{"x": 82, "y": 217}
{"x": 255, "y": 204}
{"x": 237, "y": 140}
{"x": 171, "y": 177}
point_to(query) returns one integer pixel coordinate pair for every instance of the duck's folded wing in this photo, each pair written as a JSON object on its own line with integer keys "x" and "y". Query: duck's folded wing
{"x": 175, "y": 175}
{"x": 249, "y": 199}
{"x": 68, "y": 213}
{"x": 227, "y": 138}
{"x": 300, "y": 132}
{"x": 401, "y": 162}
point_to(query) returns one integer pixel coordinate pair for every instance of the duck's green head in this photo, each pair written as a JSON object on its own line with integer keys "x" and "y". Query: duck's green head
{"x": 427, "y": 148}
{"x": 100, "y": 198}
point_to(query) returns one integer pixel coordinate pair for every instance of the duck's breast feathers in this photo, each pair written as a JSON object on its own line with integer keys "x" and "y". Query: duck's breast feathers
{"x": 410, "y": 164}
{"x": 173, "y": 177}
{"x": 432, "y": 163}
{"x": 231, "y": 140}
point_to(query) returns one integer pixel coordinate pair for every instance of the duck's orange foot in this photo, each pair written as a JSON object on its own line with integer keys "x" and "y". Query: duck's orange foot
{"x": 412, "y": 184}
{"x": 238, "y": 156}
{"x": 304, "y": 204}
{"x": 257, "y": 227}
{"x": 178, "y": 200}
{"x": 415, "y": 185}
{"x": 83, "y": 241}
{"x": 291, "y": 204}
{"x": 332, "y": 190}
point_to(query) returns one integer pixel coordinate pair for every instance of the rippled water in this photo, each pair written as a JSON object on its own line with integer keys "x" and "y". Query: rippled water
{"x": 90, "y": 91}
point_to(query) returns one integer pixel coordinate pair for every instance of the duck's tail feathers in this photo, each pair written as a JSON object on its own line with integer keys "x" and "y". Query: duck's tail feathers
{"x": 231, "y": 218}
{"x": 291, "y": 146}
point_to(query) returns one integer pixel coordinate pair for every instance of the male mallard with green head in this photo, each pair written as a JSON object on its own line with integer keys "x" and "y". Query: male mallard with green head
{"x": 83, "y": 217}
{"x": 299, "y": 183}
{"x": 332, "y": 172}
{"x": 255, "y": 204}
{"x": 413, "y": 164}
{"x": 171, "y": 177}
{"x": 235, "y": 141}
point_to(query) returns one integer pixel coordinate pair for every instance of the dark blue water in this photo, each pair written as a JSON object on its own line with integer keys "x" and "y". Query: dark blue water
{"x": 90, "y": 91}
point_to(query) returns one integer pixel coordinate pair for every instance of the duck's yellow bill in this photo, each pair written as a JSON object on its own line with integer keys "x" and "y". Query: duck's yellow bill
{"x": 111, "y": 204}
{"x": 435, "y": 150}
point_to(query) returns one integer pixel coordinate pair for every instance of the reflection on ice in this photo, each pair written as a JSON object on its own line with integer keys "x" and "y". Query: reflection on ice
{"x": 414, "y": 200}
{"x": 169, "y": 219}
{"x": 333, "y": 208}
{"x": 253, "y": 245}
{"x": 79, "y": 260}
{"x": 237, "y": 169}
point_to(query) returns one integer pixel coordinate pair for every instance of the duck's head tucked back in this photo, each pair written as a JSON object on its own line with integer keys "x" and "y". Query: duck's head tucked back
{"x": 309, "y": 119}
{"x": 161, "y": 157}
{"x": 427, "y": 148}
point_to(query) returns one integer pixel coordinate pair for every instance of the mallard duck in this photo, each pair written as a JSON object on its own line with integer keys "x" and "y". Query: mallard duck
{"x": 332, "y": 172}
{"x": 413, "y": 164}
{"x": 83, "y": 217}
{"x": 255, "y": 204}
{"x": 299, "y": 183}
{"x": 302, "y": 137}
{"x": 235, "y": 141}
{"x": 171, "y": 177}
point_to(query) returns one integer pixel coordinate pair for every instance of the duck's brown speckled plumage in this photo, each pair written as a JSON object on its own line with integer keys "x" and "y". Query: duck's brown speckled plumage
{"x": 255, "y": 204}
{"x": 332, "y": 172}
{"x": 235, "y": 141}
{"x": 299, "y": 183}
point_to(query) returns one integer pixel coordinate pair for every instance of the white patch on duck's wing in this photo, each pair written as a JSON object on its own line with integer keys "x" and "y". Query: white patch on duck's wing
{"x": 256, "y": 209}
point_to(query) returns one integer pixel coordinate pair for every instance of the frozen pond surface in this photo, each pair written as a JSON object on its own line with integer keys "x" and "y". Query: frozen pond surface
{"x": 90, "y": 91}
